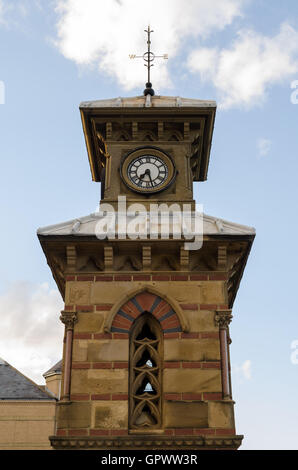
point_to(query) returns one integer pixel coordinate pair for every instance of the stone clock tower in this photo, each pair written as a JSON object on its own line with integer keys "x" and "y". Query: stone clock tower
{"x": 146, "y": 349}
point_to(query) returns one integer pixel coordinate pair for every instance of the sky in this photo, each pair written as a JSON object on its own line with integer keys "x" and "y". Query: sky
{"x": 55, "y": 54}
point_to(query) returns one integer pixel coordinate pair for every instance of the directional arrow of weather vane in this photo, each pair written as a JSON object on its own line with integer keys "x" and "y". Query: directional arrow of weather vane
{"x": 148, "y": 57}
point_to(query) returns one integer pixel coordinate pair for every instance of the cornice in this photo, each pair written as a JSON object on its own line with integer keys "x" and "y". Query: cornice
{"x": 146, "y": 442}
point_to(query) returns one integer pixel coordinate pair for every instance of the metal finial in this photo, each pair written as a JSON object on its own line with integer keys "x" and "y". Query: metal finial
{"x": 148, "y": 57}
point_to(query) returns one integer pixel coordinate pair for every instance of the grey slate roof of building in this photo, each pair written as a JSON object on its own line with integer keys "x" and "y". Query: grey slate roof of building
{"x": 16, "y": 386}
{"x": 55, "y": 369}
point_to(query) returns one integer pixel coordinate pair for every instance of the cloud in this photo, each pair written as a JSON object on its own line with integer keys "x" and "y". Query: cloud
{"x": 2, "y": 12}
{"x": 243, "y": 371}
{"x": 103, "y": 33}
{"x": 243, "y": 73}
{"x": 12, "y": 15}
{"x": 264, "y": 146}
{"x": 31, "y": 333}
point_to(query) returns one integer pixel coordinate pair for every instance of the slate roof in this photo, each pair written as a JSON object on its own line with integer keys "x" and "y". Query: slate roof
{"x": 16, "y": 386}
{"x": 56, "y": 369}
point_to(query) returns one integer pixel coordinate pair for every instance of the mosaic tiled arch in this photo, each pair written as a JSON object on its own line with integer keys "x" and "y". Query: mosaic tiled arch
{"x": 146, "y": 302}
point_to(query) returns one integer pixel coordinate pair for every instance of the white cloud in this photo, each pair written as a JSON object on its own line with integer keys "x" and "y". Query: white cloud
{"x": 31, "y": 333}
{"x": 12, "y": 15}
{"x": 103, "y": 33}
{"x": 243, "y": 73}
{"x": 243, "y": 371}
{"x": 264, "y": 147}
{"x": 1, "y": 11}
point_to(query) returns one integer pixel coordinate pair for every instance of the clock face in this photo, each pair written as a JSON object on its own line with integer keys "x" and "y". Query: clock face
{"x": 147, "y": 170}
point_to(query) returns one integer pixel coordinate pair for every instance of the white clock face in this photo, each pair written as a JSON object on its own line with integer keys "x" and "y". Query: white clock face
{"x": 147, "y": 172}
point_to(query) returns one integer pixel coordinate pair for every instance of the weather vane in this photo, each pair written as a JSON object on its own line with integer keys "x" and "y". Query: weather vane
{"x": 148, "y": 58}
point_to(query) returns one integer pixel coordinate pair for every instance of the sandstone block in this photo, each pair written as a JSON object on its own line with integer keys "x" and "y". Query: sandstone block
{"x": 185, "y": 415}
{"x": 107, "y": 350}
{"x": 80, "y": 350}
{"x": 77, "y": 293}
{"x": 192, "y": 350}
{"x": 74, "y": 415}
{"x": 221, "y": 414}
{"x": 191, "y": 380}
{"x": 110, "y": 415}
{"x": 89, "y": 322}
{"x": 200, "y": 321}
{"x": 99, "y": 381}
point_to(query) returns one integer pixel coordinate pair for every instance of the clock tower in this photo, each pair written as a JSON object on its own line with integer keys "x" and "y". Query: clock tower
{"x": 146, "y": 361}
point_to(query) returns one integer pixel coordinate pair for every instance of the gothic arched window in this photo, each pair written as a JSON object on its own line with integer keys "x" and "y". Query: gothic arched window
{"x": 145, "y": 374}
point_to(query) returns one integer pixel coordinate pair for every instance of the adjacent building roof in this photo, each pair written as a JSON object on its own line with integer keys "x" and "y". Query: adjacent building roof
{"x": 56, "y": 369}
{"x": 16, "y": 386}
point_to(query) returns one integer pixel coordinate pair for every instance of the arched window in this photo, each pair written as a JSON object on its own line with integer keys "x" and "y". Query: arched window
{"x": 145, "y": 374}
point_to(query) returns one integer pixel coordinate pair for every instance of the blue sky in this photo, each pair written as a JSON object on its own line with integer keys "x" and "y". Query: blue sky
{"x": 241, "y": 53}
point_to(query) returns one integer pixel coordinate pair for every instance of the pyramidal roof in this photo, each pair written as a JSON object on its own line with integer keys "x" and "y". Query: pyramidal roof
{"x": 155, "y": 101}
{"x": 86, "y": 226}
{"x": 16, "y": 386}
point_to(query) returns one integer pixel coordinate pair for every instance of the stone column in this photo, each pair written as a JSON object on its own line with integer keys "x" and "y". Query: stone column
{"x": 222, "y": 320}
{"x": 69, "y": 319}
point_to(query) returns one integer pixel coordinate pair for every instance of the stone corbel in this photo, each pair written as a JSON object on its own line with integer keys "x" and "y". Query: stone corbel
{"x": 108, "y": 257}
{"x": 109, "y": 130}
{"x": 71, "y": 258}
{"x": 134, "y": 131}
{"x": 160, "y": 130}
{"x": 222, "y": 258}
{"x": 146, "y": 258}
{"x": 184, "y": 259}
{"x": 186, "y": 131}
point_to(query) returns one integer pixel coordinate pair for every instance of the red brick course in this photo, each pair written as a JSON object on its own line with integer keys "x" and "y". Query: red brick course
{"x": 141, "y": 277}
{"x": 81, "y": 365}
{"x": 122, "y": 277}
{"x": 82, "y": 336}
{"x": 212, "y": 396}
{"x": 102, "y": 335}
{"x": 78, "y": 432}
{"x": 85, "y": 278}
{"x": 85, "y": 308}
{"x": 80, "y": 397}
{"x": 160, "y": 278}
{"x": 99, "y": 432}
{"x": 103, "y": 307}
{"x": 101, "y": 396}
{"x": 179, "y": 277}
{"x": 192, "y": 396}
{"x": 103, "y": 278}
{"x": 198, "y": 277}
{"x": 189, "y": 306}
{"x": 102, "y": 365}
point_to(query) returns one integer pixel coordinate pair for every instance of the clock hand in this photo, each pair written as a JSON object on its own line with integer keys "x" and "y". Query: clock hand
{"x": 148, "y": 172}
